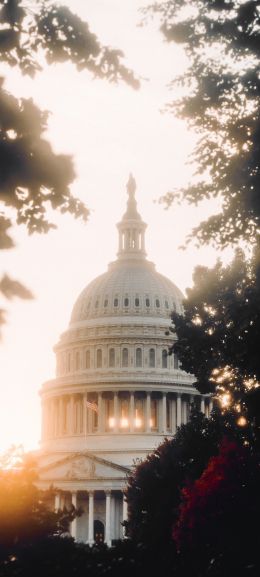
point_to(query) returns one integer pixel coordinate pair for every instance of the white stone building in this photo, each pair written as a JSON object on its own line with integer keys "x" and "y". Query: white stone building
{"x": 117, "y": 394}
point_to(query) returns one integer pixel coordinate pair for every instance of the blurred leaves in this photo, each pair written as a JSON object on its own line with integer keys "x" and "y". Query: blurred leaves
{"x": 220, "y": 99}
{"x": 33, "y": 178}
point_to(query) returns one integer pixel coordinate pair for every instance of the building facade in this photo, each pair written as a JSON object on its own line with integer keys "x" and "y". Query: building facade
{"x": 117, "y": 393}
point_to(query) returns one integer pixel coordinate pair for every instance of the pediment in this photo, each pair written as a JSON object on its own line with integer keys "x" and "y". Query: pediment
{"x": 81, "y": 466}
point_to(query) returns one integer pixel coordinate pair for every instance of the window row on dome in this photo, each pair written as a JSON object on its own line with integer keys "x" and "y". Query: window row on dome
{"x": 127, "y": 302}
{"x": 113, "y": 357}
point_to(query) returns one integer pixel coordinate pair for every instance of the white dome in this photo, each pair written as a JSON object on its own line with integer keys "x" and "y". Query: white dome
{"x": 117, "y": 393}
{"x": 130, "y": 287}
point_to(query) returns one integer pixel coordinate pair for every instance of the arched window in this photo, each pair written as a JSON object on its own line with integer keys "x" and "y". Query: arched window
{"x": 137, "y": 302}
{"x": 87, "y": 359}
{"x": 111, "y": 358}
{"x": 105, "y": 302}
{"x": 99, "y": 358}
{"x": 147, "y": 302}
{"x": 138, "y": 357}
{"x": 175, "y": 361}
{"x": 116, "y": 302}
{"x": 157, "y": 303}
{"x": 125, "y": 358}
{"x": 164, "y": 359}
{"x": 77, "y": 361}
{"x": 151, "y": 358}
{"x": 166, "y": 304}
{"x": 126, "y": 302}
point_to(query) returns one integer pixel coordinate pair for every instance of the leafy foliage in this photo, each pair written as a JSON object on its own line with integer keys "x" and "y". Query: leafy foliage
{"x": 33, "y": 178}
{"x": 154, "y": 489}
{"x": 218, "y": 519}
{"x": 221, "y": 101}
{"x": 25, "y": 517}
{"x": 219, "y": 333}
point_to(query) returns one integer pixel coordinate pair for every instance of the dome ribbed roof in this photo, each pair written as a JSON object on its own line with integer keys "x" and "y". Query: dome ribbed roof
{"x": 128, "y": 288}
{"x": 131, "y": 285}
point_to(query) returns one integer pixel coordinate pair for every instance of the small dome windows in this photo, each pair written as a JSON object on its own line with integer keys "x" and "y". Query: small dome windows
{"x": 126, "y": 302}
{"x": 137, "y": 302}
{"x": 105, "y": 303}
{"x": 77, "y": 361}
{"x": 87, "y": 359}
{"x": 138, "y": 358}
{"x": 147, "y": 302}
{"x": 116, "y": 302}
{"x": 152, "y": 358}
{"x": 111, "y": 358}
{"x": 164, "y": 359}
{"x": 166, "y": 304}
{"x": 157, "y": 303}
{"x": 99, "y": 358}
{"x": 125, "y": 357}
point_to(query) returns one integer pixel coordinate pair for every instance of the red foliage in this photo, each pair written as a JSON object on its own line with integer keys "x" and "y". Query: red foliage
{"x": 219, "y": 501}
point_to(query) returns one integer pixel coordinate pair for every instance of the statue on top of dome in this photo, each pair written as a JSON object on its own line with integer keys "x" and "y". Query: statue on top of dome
{"x": 131, "y": 186}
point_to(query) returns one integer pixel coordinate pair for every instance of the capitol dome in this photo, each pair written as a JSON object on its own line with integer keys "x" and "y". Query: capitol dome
{"x": 117, "y": 392}
{"x": 128, "y": 288}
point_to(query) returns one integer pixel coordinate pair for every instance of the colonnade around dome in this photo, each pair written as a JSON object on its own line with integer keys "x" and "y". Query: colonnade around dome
{"x": 118, "y": 412}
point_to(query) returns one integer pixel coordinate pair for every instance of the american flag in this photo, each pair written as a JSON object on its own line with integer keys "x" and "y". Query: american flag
{"x": 92, "y": 405}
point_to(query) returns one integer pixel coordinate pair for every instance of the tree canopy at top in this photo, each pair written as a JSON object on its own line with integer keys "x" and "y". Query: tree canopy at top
{"x": 221, "y": 100}
{"x": 33, "y": 177}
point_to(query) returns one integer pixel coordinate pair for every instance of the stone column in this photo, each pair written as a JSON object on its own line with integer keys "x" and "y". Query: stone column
{"x": 202, "y": 405}
{"x": 55, "y": 418}
{"x": 148, "y": 412}
{"x": 184, "y": 409}
{"x": 116, "y": 412}
{"x": 173, "y": 414}
{"x": 125, "y": 513}
{"x": 132, "y": 412}
{"x": 71, "y": 412}
{"x": 85, "y": 424}
{"x": 60, "y": 413}
{"x": 178, "y": 410}
{"x": 108, "y": 519}
{"x": 50, "y": 421}
{"x": 164, "y": 416}
{"x": 90, "y": 517}
{"x": 73, "y": 526}
{"x": 142, "y": 240}
{"x": 57, "y": 503}
{"x": 100, "y": 414}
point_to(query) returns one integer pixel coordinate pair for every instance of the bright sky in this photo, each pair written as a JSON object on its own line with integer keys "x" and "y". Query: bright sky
{"x": 110, "y": 131}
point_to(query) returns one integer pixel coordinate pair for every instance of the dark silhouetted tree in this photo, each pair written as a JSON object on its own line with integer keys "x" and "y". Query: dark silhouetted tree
{"x": 221, "y": 100}
{"x": 25, "y": 517}
{"x": 154, "y": 488}
{"x": 217, "y": 528}
{"x": 33, "y": 178}
{"x": 219, "y": 333}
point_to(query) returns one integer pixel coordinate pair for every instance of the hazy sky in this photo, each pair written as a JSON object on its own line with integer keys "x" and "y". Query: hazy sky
{"x": 110, "y": 131}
